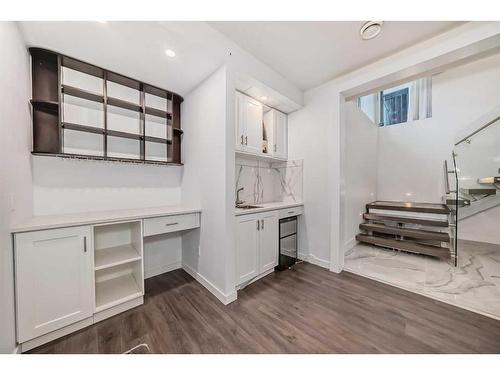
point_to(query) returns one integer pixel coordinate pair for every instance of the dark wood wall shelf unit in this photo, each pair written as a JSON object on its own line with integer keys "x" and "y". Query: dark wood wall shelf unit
{"x": 156, "y": 128}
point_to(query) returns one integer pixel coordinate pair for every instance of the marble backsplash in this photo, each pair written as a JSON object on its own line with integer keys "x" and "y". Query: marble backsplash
{"x": 263, "y": 181}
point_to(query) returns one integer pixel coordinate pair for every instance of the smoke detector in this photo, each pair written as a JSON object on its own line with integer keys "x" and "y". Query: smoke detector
{"x": 371, "y": 29}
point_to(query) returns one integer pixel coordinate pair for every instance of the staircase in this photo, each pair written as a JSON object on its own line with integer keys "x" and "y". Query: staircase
{"x": 477, "y": 199}
{"x": 420, "y": 228}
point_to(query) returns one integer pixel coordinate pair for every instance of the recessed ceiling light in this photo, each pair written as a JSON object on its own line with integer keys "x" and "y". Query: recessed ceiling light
{"x": 371, "y": 29}
{"x": 263, "y": 97}
{"x": 103, "y": 22}
{"x": 170, "y": 53}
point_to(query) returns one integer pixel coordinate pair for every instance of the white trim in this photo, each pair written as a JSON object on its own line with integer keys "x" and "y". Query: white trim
{"x": 303, "y": 256}
{"x": 223, "y": 297}
{"x": 350, "y": 244}
{"x": 423, "y": 294}
{"x": 246, "y": 283}
{"x": 158, "y": 269}
{"x": 31, "y": 344}
{"x": 319, "y": 262}
{"x": 115, "y": 310}
{"x": 310, "y": 258}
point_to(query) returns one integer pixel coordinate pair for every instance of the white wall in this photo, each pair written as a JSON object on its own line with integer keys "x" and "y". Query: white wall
{"x": 307, "y": 140}
{"x": 208, "y": 181}
{"x": 482, "y": 227}
{"x": 360, "y": 169}
{"x": 66, "y": 186}
{"x": 411, "y": 155}
{"x": 15, "y": 171}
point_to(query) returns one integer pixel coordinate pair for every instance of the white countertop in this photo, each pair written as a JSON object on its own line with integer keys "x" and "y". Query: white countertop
{"x": 266, "y": 207}
{"x": 85, "y": 218}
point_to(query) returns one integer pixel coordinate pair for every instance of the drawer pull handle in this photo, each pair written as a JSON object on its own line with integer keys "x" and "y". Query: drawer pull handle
{"x": 291, "y": 212}
{"x": 169, "y": 224}
{"x": 84, "y": 244}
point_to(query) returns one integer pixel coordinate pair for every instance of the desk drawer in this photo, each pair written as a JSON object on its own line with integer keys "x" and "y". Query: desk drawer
{"x": 167, "y": 224}
{"x": 292, "y": 211}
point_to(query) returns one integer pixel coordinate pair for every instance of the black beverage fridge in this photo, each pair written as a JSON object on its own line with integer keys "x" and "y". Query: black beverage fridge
{"x": 287, "y": 243}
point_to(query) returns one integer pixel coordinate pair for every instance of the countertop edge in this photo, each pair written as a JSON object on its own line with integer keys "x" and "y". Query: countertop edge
{"x": 265, "y": 209}
{"x": 72, "y": 220}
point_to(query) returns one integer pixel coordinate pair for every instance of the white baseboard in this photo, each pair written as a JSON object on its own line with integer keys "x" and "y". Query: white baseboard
{"x": 348, "y": 245}
{"x": 310, "y": 258}
{"x": 302, "y": 256}
{"x": 161, "y": 268}
{"x": 319, "y": 262}
{"x": 226, "y": 299}
{"x": 40, "y": 340}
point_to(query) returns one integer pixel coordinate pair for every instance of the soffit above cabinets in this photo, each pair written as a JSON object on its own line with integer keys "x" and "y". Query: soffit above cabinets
{"x": 258, "y": 90}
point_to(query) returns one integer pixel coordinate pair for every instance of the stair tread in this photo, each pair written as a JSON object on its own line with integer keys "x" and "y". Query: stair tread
{"x": 436, "y": 251}
{"x": 411, "y": 220}
{"x": 408, "y": 232}
{"x": 479, "y": 191}
{"x": 436, "y": 208}
{"x": 489, "y": 180}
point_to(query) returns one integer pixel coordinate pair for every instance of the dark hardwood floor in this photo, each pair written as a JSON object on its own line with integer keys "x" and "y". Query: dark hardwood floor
{"x": 306, "y": 310}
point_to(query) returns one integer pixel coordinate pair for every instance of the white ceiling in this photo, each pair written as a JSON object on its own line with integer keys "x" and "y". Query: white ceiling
{"x": 311, "y": 53}
{"x": 137, "y": 49}
{"x": 305, "y": 53}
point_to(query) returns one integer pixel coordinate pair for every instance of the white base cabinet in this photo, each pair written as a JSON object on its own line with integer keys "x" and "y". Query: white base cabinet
{"x": 54, "y": 279}
{"x": 256, "y": 245}
{"x": 70, "y": 277}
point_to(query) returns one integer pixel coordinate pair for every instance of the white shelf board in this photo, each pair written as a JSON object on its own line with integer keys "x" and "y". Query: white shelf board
{"x": 114, "y": 256}
{"x": 260, "y": 156}
{"x": 115, "y": 291}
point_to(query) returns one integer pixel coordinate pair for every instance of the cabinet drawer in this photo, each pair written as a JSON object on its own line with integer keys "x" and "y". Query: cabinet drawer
{"x": 292, "y": 211}
{"x": 167, "y": 224}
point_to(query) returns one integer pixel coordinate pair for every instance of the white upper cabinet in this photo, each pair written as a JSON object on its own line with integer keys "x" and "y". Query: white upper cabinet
{"x": 260, "y": 128}
{"x": 280, "y": 136}
{"x": 240, "y": 122}
{"x": 54, "y": 279}
{"x": 248, "y": 124}
{"x": 253, "y": 126}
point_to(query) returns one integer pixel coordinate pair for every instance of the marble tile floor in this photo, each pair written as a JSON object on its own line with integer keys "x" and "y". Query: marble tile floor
{"x": 473, "y": 285}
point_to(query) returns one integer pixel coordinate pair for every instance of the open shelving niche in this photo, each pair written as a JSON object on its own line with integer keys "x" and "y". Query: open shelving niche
{"x": 83, "y": 111}
{"x": 118, "y": 263}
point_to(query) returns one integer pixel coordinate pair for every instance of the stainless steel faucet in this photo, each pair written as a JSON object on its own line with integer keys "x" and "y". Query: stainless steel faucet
{"x": 238, "y": 201}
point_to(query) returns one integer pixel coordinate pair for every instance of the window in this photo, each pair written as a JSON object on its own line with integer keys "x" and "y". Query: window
{"x": 400, "y": 104}
{"x": 394, "y": 106}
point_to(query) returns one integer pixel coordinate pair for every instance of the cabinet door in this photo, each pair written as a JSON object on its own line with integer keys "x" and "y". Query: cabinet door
{"x": 268, "y": 241}
{"x": 54, "y": 279}
{"x": 268, "y": 120}
{"x": 280, "y": 135}
{"x": 253, "y": 125}
{"x": 247, "y": 244}
{"x": 240, "y": 122}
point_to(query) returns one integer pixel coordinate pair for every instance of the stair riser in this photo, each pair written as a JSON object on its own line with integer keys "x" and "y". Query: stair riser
{"x": 407, "y": 233}
{"x": 410, "y": 215}
{"x": 442, "y": 253}
{"x": 406, "y": 220}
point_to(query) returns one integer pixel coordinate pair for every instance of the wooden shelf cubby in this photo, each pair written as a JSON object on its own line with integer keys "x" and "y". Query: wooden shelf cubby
{"x": 84, "y": 111}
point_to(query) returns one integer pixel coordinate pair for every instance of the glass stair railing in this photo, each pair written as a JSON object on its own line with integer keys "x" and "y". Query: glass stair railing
{"x": 472, "y": 173}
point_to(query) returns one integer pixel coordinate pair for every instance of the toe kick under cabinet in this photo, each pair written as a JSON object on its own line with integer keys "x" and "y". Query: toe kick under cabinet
{"x": 67, "y": 278}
